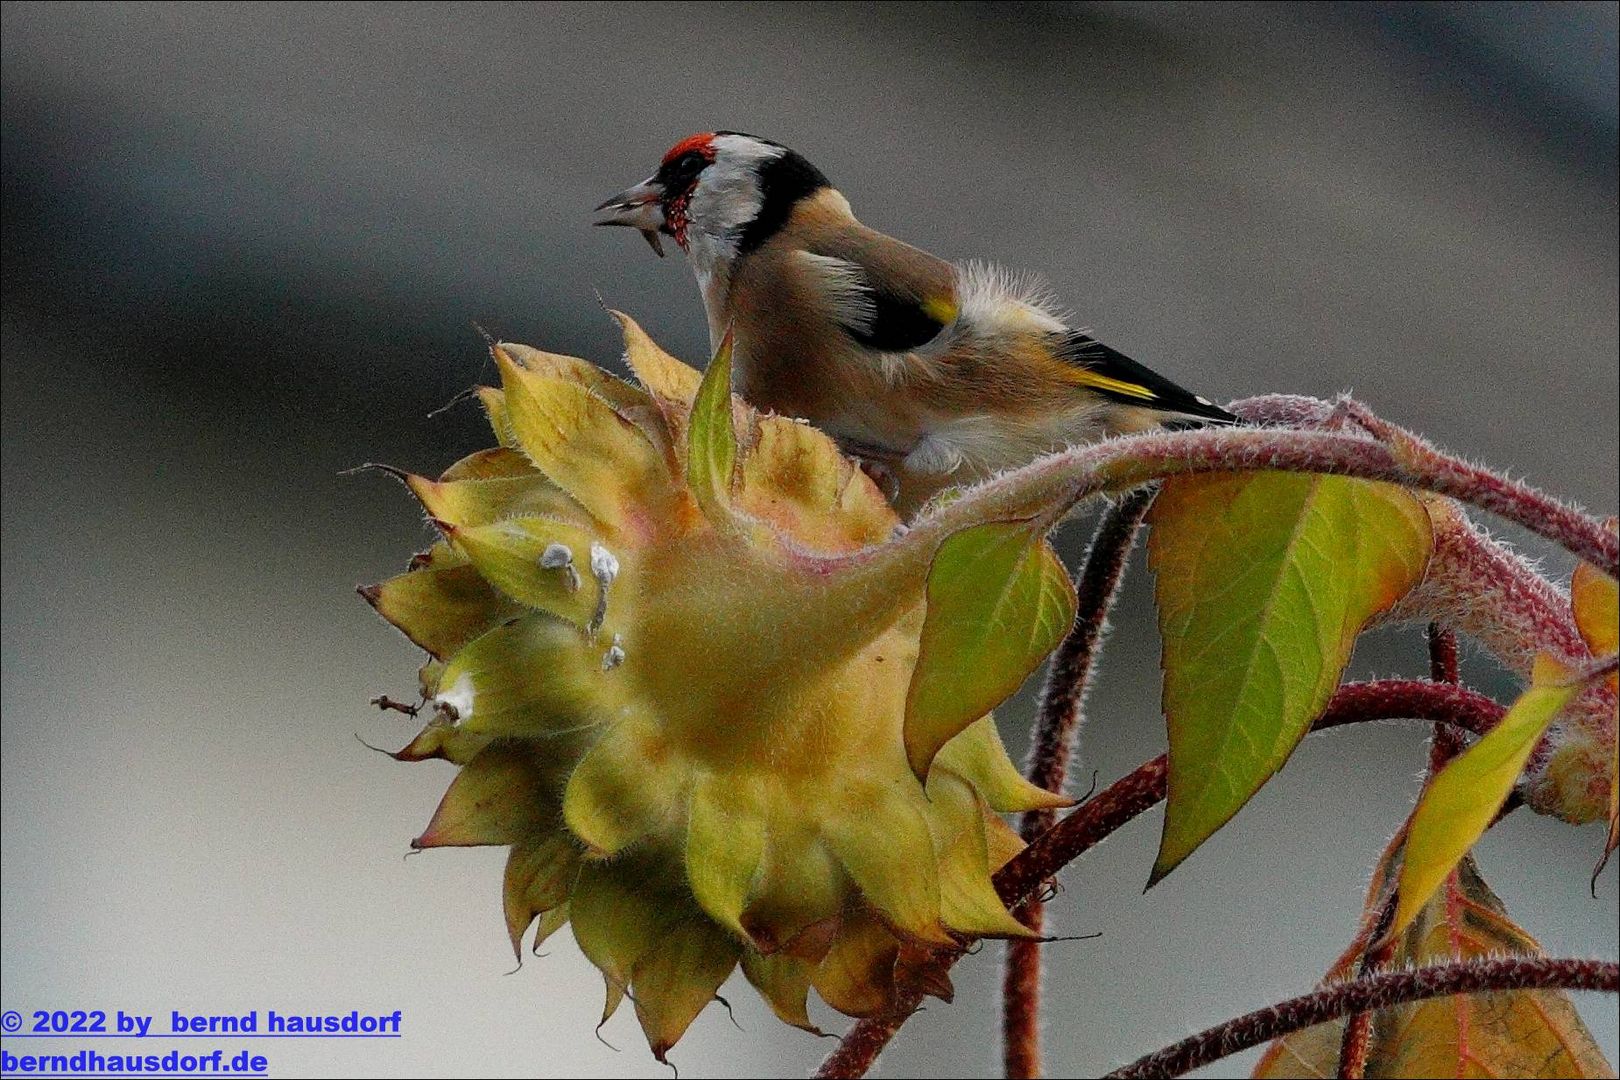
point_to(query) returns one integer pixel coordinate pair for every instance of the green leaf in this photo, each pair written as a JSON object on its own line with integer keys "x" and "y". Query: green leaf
{"x": 1458, "y": 805}
{"x": 540, "y": 872}
{"x": 711, "y": 448}
{"x": 1263, "y": 581}
{"x": 978, "y": 756}
{"x": 968, "y": 902}
{"x": 784, "y": 982}
{"x": 534, "y": 677}
{"x": 621, "y": 790}
{"x": 998, "y": 601}
{"x": 620, "y": 912}
{"x": 442, "y": 604}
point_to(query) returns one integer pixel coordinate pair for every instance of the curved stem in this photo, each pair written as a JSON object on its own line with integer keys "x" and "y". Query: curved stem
{"x": 1373, "y": 992}
{"x": 1139, "y": 791}
{"x": 1067, "y": 679}
{"x": 1051, "y": 486}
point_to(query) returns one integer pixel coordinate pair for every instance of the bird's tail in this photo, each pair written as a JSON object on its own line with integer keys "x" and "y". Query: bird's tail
{"x": 1115, "y": 376}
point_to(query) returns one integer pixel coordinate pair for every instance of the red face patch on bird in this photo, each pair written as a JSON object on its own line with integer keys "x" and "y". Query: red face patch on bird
{"x": 701, "y": 144}
{"x": 678, "y": 175}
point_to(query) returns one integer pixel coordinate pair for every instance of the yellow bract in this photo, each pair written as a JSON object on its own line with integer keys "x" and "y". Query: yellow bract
{"x": 1457, "y": 807}
{"x": 673, "y": 658}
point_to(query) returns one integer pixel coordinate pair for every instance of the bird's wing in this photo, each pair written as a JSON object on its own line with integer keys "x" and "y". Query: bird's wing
{"x": 888, "y": 296}
{"x": 1116, "y": 376}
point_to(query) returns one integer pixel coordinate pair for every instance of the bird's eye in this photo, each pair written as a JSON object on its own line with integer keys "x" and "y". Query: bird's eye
{"x": 684, "y": 168}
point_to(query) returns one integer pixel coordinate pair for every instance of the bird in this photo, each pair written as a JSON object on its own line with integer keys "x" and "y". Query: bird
{"x": 932, "y": 374}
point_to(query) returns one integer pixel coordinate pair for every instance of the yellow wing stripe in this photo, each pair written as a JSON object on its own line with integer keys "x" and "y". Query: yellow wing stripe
{"x": 942, "y": 309}
{"x": 1118, "y": 386}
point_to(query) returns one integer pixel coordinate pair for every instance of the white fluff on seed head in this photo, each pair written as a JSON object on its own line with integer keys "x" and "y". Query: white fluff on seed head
{"x": 604, "y": 564}
{"x": 459, "y": 698}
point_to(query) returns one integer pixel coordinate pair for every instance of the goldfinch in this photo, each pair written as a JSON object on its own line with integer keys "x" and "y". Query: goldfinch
{"x": 932, "y": 373}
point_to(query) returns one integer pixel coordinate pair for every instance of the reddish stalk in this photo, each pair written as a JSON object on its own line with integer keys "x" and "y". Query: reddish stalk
{"x": 1444, "y": 744}
{"x": 1062, "y": 695}
{"x": 1374, "y": 992}
{"x": 1139, "y": 791}
{"x": 1357, "y": 1038}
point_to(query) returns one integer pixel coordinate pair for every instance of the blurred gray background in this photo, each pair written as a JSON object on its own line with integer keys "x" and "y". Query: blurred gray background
{"x": 245, "y": 246}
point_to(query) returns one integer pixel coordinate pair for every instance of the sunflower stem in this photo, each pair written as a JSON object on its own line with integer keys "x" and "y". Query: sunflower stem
{"x": 1062, "y": 698}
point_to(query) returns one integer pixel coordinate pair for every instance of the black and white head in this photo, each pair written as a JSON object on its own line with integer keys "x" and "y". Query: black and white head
{"x": 719, "y": 194}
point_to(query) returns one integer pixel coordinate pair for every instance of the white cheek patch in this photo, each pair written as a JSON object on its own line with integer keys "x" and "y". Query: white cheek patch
{"x": 726, "y": 198}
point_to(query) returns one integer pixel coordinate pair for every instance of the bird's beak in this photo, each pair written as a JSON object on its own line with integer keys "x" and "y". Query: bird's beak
{"x": 640, "y": 208}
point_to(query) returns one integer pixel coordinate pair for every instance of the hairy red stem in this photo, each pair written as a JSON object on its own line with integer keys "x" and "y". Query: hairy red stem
{"x": 1444, "y": 744}
{"x": 1050, "y": 486}
{"x": 1022, "y": 879}
{"x": 1374, "y": 992}
{"x": 1062, "y": 695}
{"x": 1357, "y": 1038}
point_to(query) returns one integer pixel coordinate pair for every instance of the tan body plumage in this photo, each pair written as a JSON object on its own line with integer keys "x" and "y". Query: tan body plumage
{"x": 937, "y": 374}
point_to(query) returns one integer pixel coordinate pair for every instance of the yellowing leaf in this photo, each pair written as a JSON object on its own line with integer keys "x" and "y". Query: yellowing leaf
{"x": 540, "y": 871}
{"x": 799, "y": 887}
{"x": 998, "y": 602}
{"x": 481, "y": 500}
{"x": 494, "y": 463}
{"x": 856, "y": 977}
{"x": 1509, "y": 1033}
{"x": 711, "y": 447}
{"x": 904, "y": 891}
{"x": 968, "y": 901}
{"x": 978, "y": 756}
{"x": 605, "y": 462}
{"x": 795, "y": 478}
{"x": 620, "y": 791}
{"x": 534, "y": 677}
{"x": 672, "y": 983}
{"x": 658, "y": 371}
{"x": 625, "y": 398}
{"x": 784, "y": 981}
{"x": 1459, "y": 803}
{"x": 1596, "y": 600}
{"x": 620, "y": 911}
{"x": 1263, "y": 581}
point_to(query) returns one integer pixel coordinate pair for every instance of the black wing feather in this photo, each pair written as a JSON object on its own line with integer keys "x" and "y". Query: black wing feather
{"x": 1085, "y": 351}
{"x": 898, "y": 324}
